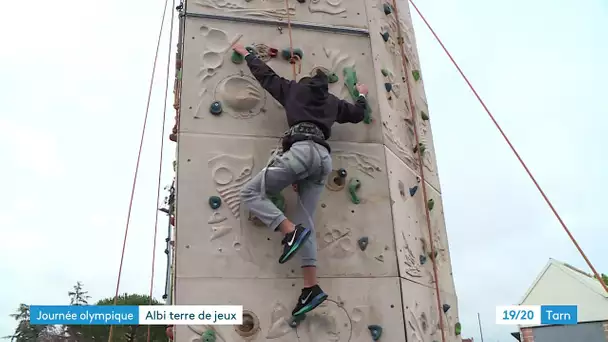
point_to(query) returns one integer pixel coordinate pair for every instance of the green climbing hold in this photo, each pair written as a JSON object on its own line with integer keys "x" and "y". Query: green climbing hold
{"x": 286, "y": 53}
{"x": 375, "y": 331}
{"x": 215, "y": 202}
{"x": 237, "y": 58}
{"x": 353, "y": 186}
{"x": 208, "y": 336}
{"x": 385, "y": 36}
{"x": 457, "y": 328}
{"x": 332, "y": 78}
{"x": 420, "y": 147}
{"x": 416, "y": 74}
{"x": 388, "y": 87}
{"x": 216, "y": 108}
{"x": 387, "y": 9}
{"x": 385, "y": 72}
{"x": 278, "y": 200}
{"x": 424, "y": 115}
{"x": 431, "y": 204}
{"x": 350, "y": 81}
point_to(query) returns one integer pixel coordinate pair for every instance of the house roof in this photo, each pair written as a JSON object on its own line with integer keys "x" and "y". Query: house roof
{"x": 585, "y": 279}
{"x": 563, "y": 284}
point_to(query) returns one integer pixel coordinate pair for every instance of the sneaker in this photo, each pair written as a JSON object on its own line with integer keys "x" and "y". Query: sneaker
{"x": 293, "y": 241}
{"x": 310, "y": 298}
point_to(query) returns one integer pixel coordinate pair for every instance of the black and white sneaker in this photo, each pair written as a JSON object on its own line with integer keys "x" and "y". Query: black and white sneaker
{"x": 310, "y": 298}
{"x": 293, "y": 241}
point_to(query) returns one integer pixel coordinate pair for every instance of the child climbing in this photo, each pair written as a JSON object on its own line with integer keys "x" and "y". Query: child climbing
{"x": 304, "y": 161}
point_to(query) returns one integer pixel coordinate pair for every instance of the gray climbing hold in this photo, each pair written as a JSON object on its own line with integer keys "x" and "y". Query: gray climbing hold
{"x": 385, "y": 36}
{"x": 387, "y": 9}
{"x": 375, "y": 331}
{"x": 422, "y": 259}
{"x": 388, "y": 87}
{"x": 446, "y": 307}
{"x": 363, "y": 242}
{"x": 413, "y": 190}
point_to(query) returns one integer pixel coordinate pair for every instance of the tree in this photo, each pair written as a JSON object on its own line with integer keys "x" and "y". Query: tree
{"x": 78, "y": 296}
{"x": 25, "y": 332}
{"x": 604, "y": 278}
{"x": 122, "y": 333}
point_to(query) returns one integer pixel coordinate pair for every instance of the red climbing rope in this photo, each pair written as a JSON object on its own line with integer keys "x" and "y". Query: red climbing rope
{"x": 141, "y": 144}
{"x": 421, "y": 170}
{"x": 160, "y": 162}
{"x": 513, "y": 149}
{"x": 293, "y": 59}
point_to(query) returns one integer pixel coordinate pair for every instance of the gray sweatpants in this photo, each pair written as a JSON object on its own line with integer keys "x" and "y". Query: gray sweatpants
{"x": 306, "y": 164}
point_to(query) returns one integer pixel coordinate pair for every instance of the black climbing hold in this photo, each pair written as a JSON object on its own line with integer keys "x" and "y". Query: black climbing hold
{"x": 424, "y": 115}
{"x": 413, "y": 190}
{"x": 286, "y": 53}
{"x": 363, "y": 242}
{"x": 422, "y": 259}
{"x": 388, "y": 86}
{"x": 342, "y": 173}
{"x": 216, "y": 108}
{"x": 420, "y": 147}
{"x": 301, "y": 1}
{"x": 250, "y": 49}
{"x": 167, "y": 251}
{"x": 376, "y": 331}
{"x": 385, "y": 36}
{"x": 296, "y": 320}
{"x": 165, "y": 296}
{"x": 431, "y": 204}
{"x": 445, "y": 307}
{"x": 387, "y": 9}
{"x": 215, "y": 202}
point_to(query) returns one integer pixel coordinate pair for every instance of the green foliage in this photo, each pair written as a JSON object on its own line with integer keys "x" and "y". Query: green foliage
{"x": 24, "y": 332}
{"x": 122, "y": 333}
{"x": 604, "y": 278}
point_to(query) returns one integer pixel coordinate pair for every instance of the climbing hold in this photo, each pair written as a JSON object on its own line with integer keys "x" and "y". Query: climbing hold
{"x": 237, "y": 58}
{"x": 445, "y": 307}
{"x": 416, "y": 74}
{"x": 278, "y": 200}
{"x": 208, "y": 336}
{"x": 342, "y": 173}
{"x": 215, "y": 202}
{"x": 422, "y": 259}
{"x": 296, "y": 320}
{"x": 387, "y": 9}
{"x": 353, "y": 186}
{"x": 413, "y": 190}
{"x": 376, "y": 331}
{"x": 216, "y": 108}
{"x": 301, "y": 1}
{"x": 420, "y": 147}
{"x": 362, "y": 242}
{"x": 385, "y": 36}
{"x": 250, "y": 49}
{"x": 431, "y": 204}
{"x": 424, "y": 115}
{"x": 350, "y": 81}
{"x": 457, "y": 328}
{"x": 332, "y": 78}
{"x": 173, "y": 137}
{"x": 286, "y": 53}
{"x": 388, "y": 87}
{"x": 434, "y": 255}
{"x": 385, "y": 72}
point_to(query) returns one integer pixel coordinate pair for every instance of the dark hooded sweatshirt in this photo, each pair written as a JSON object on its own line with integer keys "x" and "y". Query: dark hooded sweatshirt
{"x": 308, "y": 100}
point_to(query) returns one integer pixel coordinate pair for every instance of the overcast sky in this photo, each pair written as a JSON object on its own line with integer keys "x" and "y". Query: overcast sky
{"x": 73, "y": 84}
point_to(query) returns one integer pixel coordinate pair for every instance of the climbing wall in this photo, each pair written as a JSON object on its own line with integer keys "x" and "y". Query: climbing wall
{"x": 375, "y": 258}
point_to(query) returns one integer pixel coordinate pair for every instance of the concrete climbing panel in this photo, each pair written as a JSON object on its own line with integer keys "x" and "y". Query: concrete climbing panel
{"x": 353, "y": 305}
{"x": 393, "y": 96}
{"x": 212, "y": 81}
{"x": 421, "y": 313}
{"x": 411, "y": 232}
{"x": 349, "y": 13}
{"x": 227, "y": 242}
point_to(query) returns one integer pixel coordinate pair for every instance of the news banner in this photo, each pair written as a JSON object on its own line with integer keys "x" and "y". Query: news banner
{"x": 233, "y": 314}
{"x": 537, "y": 314}
{"x": 136, "y": 315}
